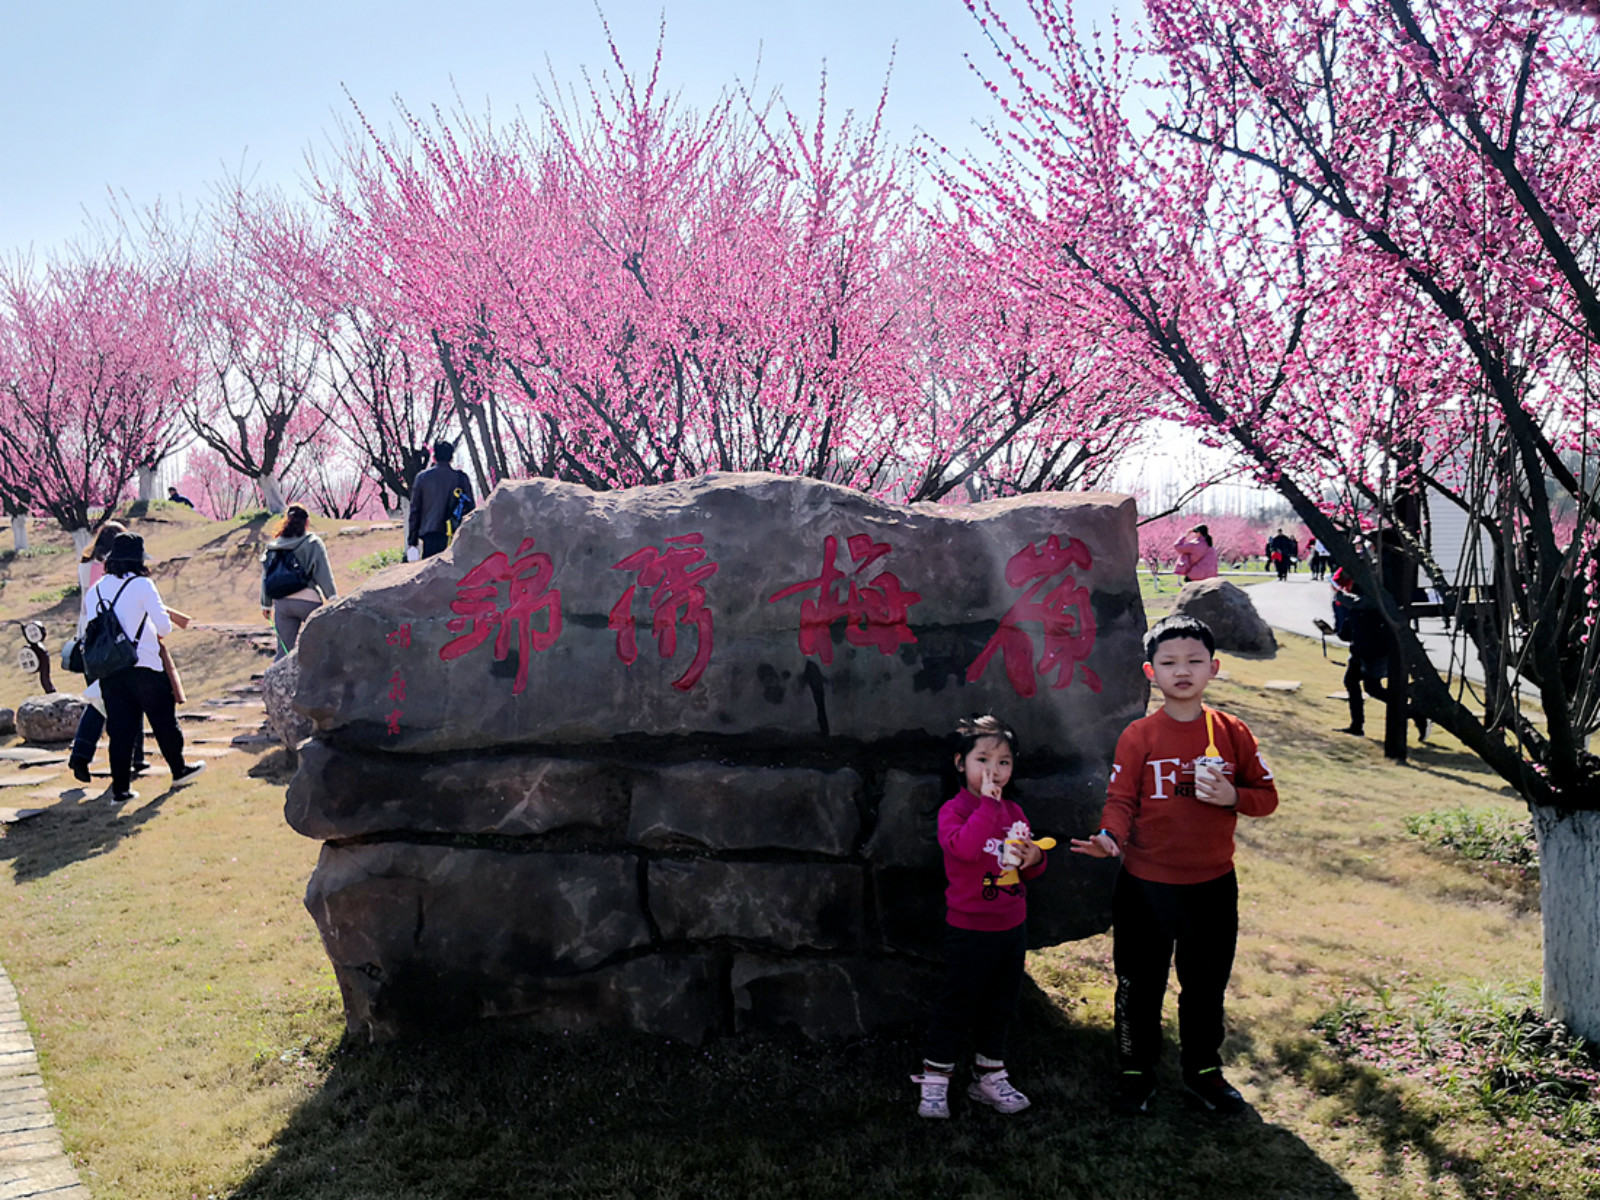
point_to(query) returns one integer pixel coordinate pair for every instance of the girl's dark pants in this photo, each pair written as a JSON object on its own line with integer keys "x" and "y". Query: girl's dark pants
{"x": 131, "y": 696}
{"x": 982, "y": 982}
{"x": 1149, "y": 919}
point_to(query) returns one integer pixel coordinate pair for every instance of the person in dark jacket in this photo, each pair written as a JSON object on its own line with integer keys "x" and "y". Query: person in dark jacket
{"x": 308, "y": 557}
{"x": 1356, "y": 619}
{"x": 440, "y": 500}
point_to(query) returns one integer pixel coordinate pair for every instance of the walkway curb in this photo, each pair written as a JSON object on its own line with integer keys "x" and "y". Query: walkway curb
{"x": 32, "y": 1161}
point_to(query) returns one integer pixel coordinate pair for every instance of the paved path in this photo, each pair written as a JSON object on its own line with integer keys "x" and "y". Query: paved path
{"x": 32, "y": 1162}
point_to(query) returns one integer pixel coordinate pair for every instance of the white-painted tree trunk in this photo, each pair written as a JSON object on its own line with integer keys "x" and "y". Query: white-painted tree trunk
{"x": 81, "y": 538}
{"x": 272, "y": 493}
{"x": 1569, "y": 890}
{"x": 19, "y": 533}
{"x": 147, "y": 483}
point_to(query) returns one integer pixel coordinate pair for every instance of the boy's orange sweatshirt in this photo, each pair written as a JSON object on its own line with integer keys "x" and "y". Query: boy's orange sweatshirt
{"x": 1166, "y": 835}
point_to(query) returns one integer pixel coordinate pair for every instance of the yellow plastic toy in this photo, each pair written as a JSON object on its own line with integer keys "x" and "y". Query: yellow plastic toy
{"x": 1011, "y": 878}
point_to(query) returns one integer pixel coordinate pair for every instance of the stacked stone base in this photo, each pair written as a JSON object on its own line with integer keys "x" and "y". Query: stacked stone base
{"x": 690, "y": 900}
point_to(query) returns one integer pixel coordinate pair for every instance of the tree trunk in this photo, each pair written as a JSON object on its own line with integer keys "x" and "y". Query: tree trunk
{"x": 147, "y": 483}
{"x": 271, "y": 493}
{"x": 19, "y": 533}
{"x": 81, "y": 538}
{"x": 1569, "y": 889}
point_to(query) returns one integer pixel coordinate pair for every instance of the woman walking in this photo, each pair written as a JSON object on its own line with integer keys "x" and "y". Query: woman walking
{"x": 143, "y": 691}
{"x": 93, "y": 721}
{"x": 295, "y": 577}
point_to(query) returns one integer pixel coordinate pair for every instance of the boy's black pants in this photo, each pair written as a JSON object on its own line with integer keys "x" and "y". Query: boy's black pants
{"x": 983, "y": 973}
{"x": 1149, "y": 919}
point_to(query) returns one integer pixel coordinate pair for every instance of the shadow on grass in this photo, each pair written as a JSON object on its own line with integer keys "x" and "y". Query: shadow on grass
{"x": 83, "y": 824}
{"x": 500, "y": 1111}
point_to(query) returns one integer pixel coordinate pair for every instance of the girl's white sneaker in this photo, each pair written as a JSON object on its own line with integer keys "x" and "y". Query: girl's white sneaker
{"x": 935, "y": 1102}
{"x": 994, "y": 1089}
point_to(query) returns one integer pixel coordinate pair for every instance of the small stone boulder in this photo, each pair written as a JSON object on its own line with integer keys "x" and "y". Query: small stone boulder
{"x": 1229, "y": 614}
{"x": 277, "y": 693}
{"x": 52, "y": 718}
{"x": 8, "y": 721}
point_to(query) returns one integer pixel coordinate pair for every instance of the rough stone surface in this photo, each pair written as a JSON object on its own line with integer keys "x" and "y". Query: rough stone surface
{"x": 49, "y": 719}
{"x": 844, "y": 997}
{"x": 597, "y": 821}
{"x": 788, "y": 905}
{"x": 335, "y": 794}
{"x": 278, "y": 686}
{"x": 8, "y": 720}
{"x": 724, "y": 807}
{"x": 472, "y": 680}
{"x": 1231, "y": 616}
{"x": 423, "y": 935}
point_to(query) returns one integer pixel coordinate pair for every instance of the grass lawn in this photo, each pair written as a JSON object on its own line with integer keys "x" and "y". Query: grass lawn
{"x": 191, "y": 1037}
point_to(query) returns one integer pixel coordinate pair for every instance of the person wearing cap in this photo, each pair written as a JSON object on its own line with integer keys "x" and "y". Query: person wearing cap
{"x": 440, "y": 499}
{"x": 143, "y": 691}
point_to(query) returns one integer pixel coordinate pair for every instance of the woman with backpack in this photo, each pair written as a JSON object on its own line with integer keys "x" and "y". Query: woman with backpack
{"x": 295, "y": 577}
{"x": 91, "y": 568}
{"x": 140, "y": 691}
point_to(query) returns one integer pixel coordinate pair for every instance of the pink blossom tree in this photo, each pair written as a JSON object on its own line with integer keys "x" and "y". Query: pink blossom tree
{"x": 1357, "y": 242}
{"x": 91, "y": 374}
{"x": 258, "y": 331}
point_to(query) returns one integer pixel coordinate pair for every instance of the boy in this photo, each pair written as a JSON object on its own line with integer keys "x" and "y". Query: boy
{"x": 1173, "y": 827}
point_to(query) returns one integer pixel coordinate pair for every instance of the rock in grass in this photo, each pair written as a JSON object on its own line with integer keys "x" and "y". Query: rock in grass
{"x": 50, "y": 719}
{"x": 1229, "y": 614}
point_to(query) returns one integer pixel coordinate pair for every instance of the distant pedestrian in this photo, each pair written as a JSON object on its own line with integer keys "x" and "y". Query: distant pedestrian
{"x": 441, "y": 498}
{"x": 1319, "y": 559}
{"x": 1197, "y": 555}
{"x": 1357, "y": 620}
{"x": 177, "y": 497}
{"x": 295, "y": 577}
{"x": 1282, "y": 550}
{"x": 144, "y": 690}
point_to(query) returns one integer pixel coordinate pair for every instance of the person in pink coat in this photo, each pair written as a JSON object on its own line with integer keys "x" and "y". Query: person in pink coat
{"x": 1197, "y": 556}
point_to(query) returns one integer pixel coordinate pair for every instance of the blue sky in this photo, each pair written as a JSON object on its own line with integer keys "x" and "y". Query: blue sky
{"x": 164, "y": 100}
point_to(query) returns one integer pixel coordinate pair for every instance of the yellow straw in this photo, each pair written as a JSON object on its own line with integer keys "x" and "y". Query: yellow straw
{"x": 1211, "y": 736}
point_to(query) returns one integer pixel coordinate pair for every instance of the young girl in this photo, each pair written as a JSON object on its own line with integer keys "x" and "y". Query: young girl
{"x": 988, "y": 853}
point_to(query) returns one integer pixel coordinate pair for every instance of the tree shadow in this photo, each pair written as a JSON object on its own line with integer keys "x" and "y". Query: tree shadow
{"x": 499, "y": 1110}
{"x": 82, "y": 824}
{"x": 253, "y": 529}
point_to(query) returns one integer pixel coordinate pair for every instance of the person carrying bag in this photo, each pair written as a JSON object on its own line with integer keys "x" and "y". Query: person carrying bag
{"x": 124, "y": 655}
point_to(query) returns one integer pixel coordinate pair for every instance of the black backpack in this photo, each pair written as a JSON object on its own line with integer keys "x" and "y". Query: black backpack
{"x": 107, "y": 649}
{"x": 284, "y": 575}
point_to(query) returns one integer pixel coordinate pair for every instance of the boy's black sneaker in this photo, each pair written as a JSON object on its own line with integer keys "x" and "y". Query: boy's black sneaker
{"x": 1134, "y": 1089}
{"x": 1212, "y": 1092}
{"x": 79, "y": 768}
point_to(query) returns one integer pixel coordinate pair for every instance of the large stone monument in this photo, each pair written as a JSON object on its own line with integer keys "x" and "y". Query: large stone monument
{"x": 670, "y": 758}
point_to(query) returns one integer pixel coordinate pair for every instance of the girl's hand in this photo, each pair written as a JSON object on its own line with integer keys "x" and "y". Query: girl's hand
{"x": 266, "y": 614}
{"x": 1099, "y": 845}
{"x": 990, "y": 787}
{"x": 1031, "y": 855}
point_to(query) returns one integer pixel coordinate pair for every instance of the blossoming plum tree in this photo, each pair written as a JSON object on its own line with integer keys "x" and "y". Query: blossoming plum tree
{"x": 1357, "y": 242}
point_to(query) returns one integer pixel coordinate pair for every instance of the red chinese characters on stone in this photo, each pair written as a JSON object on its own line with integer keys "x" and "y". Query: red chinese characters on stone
{"x": 678, "y": 598}
{"x": 400, "y": 636}
{"x": 527, "y": 592}
{"x": 397, "y": 693}
{"x": 1064, "y": 615}
{"x": 874, "y": 611}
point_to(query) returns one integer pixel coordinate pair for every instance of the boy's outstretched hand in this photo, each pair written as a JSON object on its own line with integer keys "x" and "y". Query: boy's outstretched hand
{"x": 1099, "y": 845}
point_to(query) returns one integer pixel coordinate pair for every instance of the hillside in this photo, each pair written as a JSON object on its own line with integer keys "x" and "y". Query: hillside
{"x": 208, "y": 569}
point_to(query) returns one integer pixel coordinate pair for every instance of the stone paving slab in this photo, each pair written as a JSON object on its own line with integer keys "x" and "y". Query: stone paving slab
{"x": 33, "y": 779}
{"x": 10, "y": 816}
{"x": 33, "y": 1164}
{"x": 28, "y": 754}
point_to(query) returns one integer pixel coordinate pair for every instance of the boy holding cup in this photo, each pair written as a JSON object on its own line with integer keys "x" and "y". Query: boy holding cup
{"x": 1180, "y": 779}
